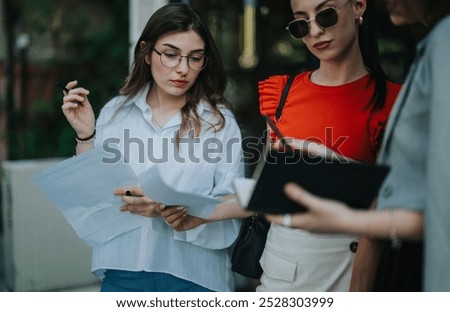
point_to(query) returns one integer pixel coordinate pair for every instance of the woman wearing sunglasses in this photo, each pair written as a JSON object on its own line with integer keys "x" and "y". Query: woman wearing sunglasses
{"x": 340, "y": 107}
{"x": 413, "y": 202}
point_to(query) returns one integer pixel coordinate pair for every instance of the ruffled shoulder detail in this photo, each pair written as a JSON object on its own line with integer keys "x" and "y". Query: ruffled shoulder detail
{"x": 270, "y": 91}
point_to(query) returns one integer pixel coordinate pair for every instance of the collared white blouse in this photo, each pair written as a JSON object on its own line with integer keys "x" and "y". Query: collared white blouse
{"x": 206, "y": 166}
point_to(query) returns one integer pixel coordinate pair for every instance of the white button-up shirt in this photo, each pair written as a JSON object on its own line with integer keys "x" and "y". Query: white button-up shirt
{"x": 206, "y": 166}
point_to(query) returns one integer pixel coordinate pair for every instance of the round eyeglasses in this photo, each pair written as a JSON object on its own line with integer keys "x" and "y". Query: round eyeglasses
{"x": 171, "y": 58}
{"x": 299, "y": 28}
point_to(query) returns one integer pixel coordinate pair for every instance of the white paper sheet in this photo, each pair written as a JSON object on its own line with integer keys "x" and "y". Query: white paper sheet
{"x": 243, "y": 187}
{"x": 82, "y": 189}
{"x": 155, "y": 188}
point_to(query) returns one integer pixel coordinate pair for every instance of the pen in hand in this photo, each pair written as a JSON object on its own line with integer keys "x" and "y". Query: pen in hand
{"x": 128, "y": 193}
{"x": 63, "y": 88}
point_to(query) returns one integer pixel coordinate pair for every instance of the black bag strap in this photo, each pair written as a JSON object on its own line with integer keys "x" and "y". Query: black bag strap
{"x": 284, "y": 95}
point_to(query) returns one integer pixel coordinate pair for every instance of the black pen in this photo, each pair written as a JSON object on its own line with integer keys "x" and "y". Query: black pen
{"x": 59, "y": 84}
{"x": 63, "y": 88}
{"x": 128, "y": 193}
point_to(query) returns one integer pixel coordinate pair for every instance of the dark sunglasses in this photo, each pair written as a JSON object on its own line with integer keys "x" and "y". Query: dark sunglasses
{"x": 299, "y": 28}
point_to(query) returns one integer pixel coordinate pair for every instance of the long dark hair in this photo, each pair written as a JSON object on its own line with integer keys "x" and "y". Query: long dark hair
{"x": 211, "y": 82}
{"x": 371, "y": 57}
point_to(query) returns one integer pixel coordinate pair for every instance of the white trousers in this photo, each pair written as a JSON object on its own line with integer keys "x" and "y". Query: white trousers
{"x": 297, "y": 260}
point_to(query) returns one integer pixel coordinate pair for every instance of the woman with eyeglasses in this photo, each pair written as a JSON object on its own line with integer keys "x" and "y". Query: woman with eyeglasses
{"x": 171, "y": 107}
{"x": 413, "y": 201}
{"x": 340, "y": 108}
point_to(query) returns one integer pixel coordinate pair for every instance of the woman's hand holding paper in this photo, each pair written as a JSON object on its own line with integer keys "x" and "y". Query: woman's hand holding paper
{"x": 137, "y": 203}
{"x": 180, "y": 220}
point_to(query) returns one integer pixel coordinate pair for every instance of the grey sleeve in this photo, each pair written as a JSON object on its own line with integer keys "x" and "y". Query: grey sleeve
{"x": 437, "y": 212}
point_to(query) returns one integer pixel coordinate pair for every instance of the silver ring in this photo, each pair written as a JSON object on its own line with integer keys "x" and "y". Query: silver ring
{"x": 287, "y": 220}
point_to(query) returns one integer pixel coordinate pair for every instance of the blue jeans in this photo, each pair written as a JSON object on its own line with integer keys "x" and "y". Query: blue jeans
{"x": 129, "y": 281}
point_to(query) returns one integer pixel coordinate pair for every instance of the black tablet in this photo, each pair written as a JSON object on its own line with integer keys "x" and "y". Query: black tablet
{"x": 356, "y": 184}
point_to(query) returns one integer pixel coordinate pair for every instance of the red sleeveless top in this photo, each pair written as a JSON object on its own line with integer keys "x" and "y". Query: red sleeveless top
{"x": 337, "y": 116}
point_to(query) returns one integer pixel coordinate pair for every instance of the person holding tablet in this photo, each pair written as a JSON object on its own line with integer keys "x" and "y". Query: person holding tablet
{"x": 340, "y": 108}
{"x": 413, "y": 201}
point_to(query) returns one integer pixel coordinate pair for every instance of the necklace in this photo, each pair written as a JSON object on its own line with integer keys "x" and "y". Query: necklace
{"x": 157, "y": 123}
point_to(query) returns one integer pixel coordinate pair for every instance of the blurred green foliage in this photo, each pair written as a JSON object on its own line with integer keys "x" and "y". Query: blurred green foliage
{"x": 89, "y": 42}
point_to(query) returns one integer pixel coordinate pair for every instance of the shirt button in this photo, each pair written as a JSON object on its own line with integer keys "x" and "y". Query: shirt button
{"x": 353, "y": 246}
{"x": 387, "y": 191}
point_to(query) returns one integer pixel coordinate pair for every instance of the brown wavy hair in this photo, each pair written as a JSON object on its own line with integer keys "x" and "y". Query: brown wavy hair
{"x": 211, "y": 82}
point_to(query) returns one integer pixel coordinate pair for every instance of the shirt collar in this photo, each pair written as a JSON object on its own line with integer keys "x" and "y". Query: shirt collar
{"x": 140, "y": 99}
{"x": 203, "y": 106}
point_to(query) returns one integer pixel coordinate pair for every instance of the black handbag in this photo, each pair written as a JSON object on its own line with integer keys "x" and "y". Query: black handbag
{"x": 251, "y": 240}
{"x": 249, "y": 246}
